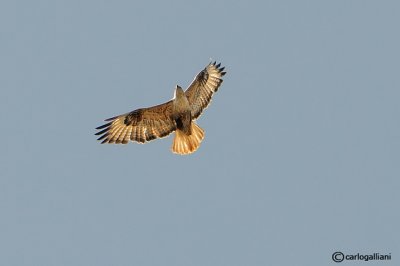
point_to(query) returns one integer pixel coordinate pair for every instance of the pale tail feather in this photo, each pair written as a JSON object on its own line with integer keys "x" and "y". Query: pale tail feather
{"x": 184, "y": 144}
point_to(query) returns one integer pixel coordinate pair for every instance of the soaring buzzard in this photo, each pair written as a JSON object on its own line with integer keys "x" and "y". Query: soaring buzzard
{"x": 177, "y": 115}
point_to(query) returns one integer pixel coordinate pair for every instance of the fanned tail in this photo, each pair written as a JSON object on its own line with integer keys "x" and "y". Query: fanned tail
{"x": 185, "y": 144}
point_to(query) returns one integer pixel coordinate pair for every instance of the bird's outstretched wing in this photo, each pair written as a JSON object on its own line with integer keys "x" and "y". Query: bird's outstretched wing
{"x": 203, "y": 87}
{"x": 140, "y": 125}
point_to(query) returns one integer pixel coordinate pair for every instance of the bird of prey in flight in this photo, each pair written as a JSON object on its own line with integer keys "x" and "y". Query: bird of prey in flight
{"x": 178, "y": 114}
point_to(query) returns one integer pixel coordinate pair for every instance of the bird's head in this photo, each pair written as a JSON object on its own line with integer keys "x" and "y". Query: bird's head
{"x": 178, "y": 91}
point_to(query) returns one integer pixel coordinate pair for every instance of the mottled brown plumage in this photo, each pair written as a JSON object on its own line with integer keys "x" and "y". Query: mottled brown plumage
{"x": 178, "y": 114}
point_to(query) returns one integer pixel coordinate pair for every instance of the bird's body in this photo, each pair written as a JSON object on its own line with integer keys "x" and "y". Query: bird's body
{"x": 177, "y": 115}
{"x": 182, "y": 113}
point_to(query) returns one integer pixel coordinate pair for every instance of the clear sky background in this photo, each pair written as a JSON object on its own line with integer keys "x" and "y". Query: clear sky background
{"x": 302, "y": 150}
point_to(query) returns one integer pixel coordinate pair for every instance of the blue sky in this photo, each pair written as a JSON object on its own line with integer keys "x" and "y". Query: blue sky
{"x": 301, "y": 153}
